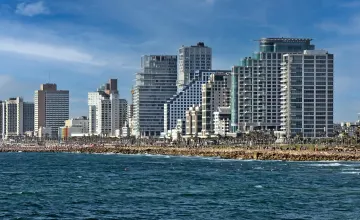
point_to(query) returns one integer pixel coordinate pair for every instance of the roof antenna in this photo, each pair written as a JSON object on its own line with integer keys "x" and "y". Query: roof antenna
{"x": 49, "y": 79}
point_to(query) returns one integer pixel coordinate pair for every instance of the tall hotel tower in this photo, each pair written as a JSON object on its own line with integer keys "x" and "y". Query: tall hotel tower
{"x": 307, "y": 95}
{"x": 51, "y": 108}
{"x": 190, "y": 59}
{"x": 256, "y": 85}
{"x": 154, "y": 85}
{"x": 105, "y": 110}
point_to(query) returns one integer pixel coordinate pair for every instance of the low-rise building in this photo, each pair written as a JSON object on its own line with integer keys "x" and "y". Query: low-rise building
{"x": 222, "y": 121}
{"x": 193, "y": 121}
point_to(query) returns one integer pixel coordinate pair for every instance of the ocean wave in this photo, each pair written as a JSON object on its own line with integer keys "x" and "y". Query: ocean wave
{"x": 330, "y": 165}
{"x": 351, "y": 172}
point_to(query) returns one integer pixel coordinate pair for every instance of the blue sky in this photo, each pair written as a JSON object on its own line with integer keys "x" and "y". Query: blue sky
{"x": 82, "y": 43}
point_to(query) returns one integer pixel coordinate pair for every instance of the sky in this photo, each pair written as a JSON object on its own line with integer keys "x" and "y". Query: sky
{"x": 80, "y": 44}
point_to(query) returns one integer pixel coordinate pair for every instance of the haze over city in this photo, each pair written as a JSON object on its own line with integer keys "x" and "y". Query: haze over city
{"x": 80, "y": 44}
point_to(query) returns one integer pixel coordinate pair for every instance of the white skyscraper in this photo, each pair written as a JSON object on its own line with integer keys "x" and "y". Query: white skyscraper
{"x": 154, "y": 85}
{"x": 51, "y": 108}
{"x": 13, "y": 117}
{"x": 256, "y": 86}
{"x": 105, "y": 110}
{"x": 191, "y": 59}
{"x": 16, "y": 117}
{"x": 307, "y": 94}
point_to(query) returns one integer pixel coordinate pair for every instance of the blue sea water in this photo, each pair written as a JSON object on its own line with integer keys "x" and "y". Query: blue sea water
{"x": 97, "y": 186}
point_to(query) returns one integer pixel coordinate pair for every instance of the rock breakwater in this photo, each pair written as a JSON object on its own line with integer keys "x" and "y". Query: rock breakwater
{"x": 221, "y": 152}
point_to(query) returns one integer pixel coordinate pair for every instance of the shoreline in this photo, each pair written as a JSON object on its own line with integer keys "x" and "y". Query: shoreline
{"x": 218, "y": 152}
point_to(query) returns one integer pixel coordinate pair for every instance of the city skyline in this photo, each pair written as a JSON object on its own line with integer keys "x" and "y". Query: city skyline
{"x": 88, "y": 50}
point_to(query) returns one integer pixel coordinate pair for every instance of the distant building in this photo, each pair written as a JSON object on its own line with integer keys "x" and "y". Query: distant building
{"x": 222, "y": 121}
{"x": 256, "y": 85}
{"x": 193, "y": 121}
{"x": 2, "y": 129}
{"x": 75, "y": 127}
{"x": 123, "y": 111}
{"x": 106, "y": 110}
{"x": 16, "y": 117}
{"x": 307, "y": 97}
{"x": 28, "y": 117}
{"x": 215, "y": 94}
{"x": 13, "y": 117}
{"x": 154, "y": 85}
{"x": 51, "y": 109}
{"x": 191, "y": 59}
{"x": 190, "y": 95}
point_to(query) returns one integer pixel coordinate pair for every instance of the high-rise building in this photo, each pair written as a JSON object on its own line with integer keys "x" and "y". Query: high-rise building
{"x": 28, "y": 116}
{"x": 307, "y": 94}
{"x": 51, "y": 108}
{"x": 1, "y": 120}
{"x": 123, "y": 108}
{"x": 105, "y": 110}
{"x": 192, "y": 58}
{"x": 215, "y": 94}
{"x": 193, "y": 121}
{"x": 190, "y": 95}
{"x": 16, "y": 117}
{"x": 154, "y": 85}
{"x": 256, "y": 85}
{"x": 13, "y": 117}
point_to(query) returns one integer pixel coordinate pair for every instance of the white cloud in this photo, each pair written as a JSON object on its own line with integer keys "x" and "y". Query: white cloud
{"x": 55, "y": 52}
{"x": 31, "y": 9}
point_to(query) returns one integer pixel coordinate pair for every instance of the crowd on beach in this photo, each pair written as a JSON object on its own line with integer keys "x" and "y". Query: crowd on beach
{"x": 251, "y": 141}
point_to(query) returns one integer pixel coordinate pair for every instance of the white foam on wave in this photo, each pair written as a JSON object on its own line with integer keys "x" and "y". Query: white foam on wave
{"x": 322, "y": 164}
{"x": 258, "y": 186}
{"x": 351, "y": 172}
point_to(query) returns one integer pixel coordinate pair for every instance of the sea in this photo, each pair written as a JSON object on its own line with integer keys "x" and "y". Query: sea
{"x": 113, "y": 186}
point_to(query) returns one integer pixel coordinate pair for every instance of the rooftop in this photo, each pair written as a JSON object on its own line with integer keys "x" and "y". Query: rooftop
{"x": 284, "y": 39}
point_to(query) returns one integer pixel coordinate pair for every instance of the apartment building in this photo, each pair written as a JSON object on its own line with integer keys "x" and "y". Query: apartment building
{"x": 215, "y": 93}
{"x": 256, "y": 84}
{"x": 191, "y": 59}
{"x": 307, "y": 95}
{"x": 190, "y": 95}
{"x": 155, "y": 84}
{"x": 51, "y": 108}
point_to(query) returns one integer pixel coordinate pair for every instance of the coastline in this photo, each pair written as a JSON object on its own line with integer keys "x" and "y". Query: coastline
{"x": 220, "y": 152}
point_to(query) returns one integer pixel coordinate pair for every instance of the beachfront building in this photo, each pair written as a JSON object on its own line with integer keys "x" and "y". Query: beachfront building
{"x": 28, "y": 117}
{"x": 256, "y": 85}
{"x": 2, "y": 129}
{"x": 51, "y": 108}
{"x": 123, "y": 111}
{"x": 190, "y": 95}
{"x": 193, "y": 121}
{"x": 191, "y": 59}
{"x": 222, "y": 121}
{"x": 155, "y": 84}
{"x": 16, "y": 118}
{"x": 106, "y": 110}
{"x": 75, "y": 127}
{"x": 13, "y": 117}
{"x": 307, "y": 95}
{"x": 215, "y": 93}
